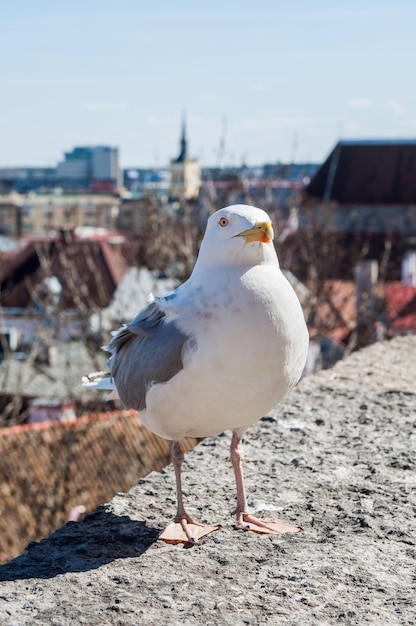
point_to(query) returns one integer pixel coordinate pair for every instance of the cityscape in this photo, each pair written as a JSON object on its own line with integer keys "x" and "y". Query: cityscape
{"x": 207, "y": 418}
{"x": 90, "y": 176}
{"x": 83, "y": 244}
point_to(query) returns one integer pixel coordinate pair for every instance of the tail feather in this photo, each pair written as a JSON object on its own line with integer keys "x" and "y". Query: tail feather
{"x": 99, "y": 380}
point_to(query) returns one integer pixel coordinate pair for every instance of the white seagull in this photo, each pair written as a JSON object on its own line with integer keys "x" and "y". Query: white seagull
{"x": 216, "y": 354}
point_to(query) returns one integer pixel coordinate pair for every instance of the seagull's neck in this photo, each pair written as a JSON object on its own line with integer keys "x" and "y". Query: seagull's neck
{"x": 260, "y": 255}
{"x": 202, "y": 271}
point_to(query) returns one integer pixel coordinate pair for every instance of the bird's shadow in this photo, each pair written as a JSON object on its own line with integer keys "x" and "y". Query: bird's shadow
{"x": 82, "y": 546}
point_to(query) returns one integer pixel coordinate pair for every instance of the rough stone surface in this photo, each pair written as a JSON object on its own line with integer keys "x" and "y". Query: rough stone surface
{"x": 338, "y": 457}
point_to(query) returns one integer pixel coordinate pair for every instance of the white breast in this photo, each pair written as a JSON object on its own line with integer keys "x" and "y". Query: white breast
{"x": 249, "y": 350}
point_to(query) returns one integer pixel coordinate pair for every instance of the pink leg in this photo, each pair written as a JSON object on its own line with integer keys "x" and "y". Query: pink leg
{"x": 246, "y": 521}
{"x": 183, "y": 529}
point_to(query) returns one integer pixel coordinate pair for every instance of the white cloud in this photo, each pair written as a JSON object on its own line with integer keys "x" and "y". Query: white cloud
{"x": 105, "y": 107}
{"x": 277, "y": 121}
{"x": 259, "y": 88}
{"x": 361, "y": 103}
{"x": 201, "y": 120}
{"x": 161, "y": 120}
{"x": 395, "y": 106}
{"x": 351, "y": 127}
{"x": 408, "y": 123}
{"x": 208, "y": 97}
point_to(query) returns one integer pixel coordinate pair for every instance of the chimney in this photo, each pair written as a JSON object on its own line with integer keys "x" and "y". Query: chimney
{"x": 67, "y": 234}
{"x": 366, "y": 278}
{"x": 409, "y": 268}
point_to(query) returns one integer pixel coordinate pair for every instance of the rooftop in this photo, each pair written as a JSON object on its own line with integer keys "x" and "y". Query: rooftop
{"x": 367, "y": 172}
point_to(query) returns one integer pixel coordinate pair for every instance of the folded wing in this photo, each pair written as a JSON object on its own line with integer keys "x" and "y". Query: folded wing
{"x": 145, "y": 352}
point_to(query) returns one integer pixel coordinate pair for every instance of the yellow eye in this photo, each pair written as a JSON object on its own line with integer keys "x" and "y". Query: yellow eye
{"x": 223, "y": 222}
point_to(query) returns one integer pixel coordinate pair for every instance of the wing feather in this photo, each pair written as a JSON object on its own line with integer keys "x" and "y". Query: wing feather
{"x": 146, "y": 351}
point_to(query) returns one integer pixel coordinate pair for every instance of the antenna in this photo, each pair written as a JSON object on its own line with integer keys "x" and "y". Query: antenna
{"x": 221, "y": 147}
{"x": 294, "y": 146}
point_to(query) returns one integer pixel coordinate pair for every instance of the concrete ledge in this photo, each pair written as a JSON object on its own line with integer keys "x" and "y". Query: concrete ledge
{"x": 337, "y": 458}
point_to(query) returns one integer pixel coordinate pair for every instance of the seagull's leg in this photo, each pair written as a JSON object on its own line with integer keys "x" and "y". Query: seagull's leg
{"x": 183, "y": 529}
{"x": 246, "y": 521}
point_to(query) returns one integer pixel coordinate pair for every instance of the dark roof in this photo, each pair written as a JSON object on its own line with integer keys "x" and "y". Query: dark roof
{"x": 88, "y": 270}
{"x": 367, "y": 172}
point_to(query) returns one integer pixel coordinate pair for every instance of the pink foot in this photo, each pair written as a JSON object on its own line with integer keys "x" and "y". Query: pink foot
{"x": 186, "y": 531}
{"x": 245, "y": 521}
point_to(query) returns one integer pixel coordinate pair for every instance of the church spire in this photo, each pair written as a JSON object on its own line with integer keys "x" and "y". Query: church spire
{"x": 184, "y": 148}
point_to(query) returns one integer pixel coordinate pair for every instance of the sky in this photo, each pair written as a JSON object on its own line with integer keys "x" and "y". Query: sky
{"x": 257, "y": 82}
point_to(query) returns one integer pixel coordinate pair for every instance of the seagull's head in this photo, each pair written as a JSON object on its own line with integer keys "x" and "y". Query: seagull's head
{"x": 238, "y": 235}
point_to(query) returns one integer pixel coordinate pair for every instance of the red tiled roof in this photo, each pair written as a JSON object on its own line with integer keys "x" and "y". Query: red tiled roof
{"x": 401, "y": 306}
{"x": 337, "y": 335}
{"x": 49, "y": 467}
{"x": 116, "y": 263}
{"x": 336, "y": 309}
{"x": 336, "y": 306}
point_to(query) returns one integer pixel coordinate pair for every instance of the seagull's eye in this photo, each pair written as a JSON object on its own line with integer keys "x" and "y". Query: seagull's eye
{"x": 223, "y": 222}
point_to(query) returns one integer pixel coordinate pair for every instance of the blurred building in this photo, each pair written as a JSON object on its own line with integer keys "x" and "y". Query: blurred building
{"x": 23, "y": 179}
{"x": 39, "y": 214}
{"x": 364, "y": 197}
{"x": 85, "y": 168}
{"x": 93, "y": 167}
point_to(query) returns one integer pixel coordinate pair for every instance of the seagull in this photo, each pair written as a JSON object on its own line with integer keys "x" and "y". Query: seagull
{"x": 215, "y": 355}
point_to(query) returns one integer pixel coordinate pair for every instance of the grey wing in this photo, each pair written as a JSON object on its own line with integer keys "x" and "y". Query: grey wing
{"x": 146, "y": 351}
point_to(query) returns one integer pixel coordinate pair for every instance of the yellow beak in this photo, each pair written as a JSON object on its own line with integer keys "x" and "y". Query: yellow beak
{"x": 261, "y": 231}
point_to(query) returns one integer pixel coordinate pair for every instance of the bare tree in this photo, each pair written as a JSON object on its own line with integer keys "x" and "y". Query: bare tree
{"x": 321, "y": 251}
{"x": 169, "y": 238}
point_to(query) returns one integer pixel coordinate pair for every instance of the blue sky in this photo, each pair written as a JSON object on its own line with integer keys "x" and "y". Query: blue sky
{"x": 284, "y": 80}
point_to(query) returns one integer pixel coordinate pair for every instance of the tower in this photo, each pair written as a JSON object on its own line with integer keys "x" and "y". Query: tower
{"x": 185, "y": 173}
